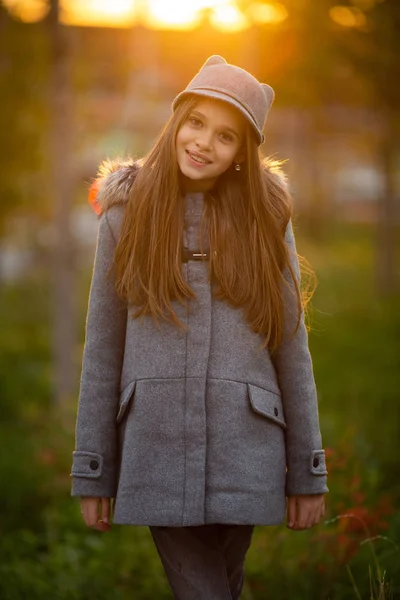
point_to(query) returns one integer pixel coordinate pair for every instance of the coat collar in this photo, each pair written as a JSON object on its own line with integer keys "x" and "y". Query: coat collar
{"x": 114, "y": 180}
{"x": 112, "y": 184}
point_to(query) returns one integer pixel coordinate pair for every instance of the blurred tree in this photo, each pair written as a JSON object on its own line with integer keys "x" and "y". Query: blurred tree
{"x": 363, "y": 45}
{"x": 22, "y": 117}
{"x": 298, "y": 56}
{"x": 60, "y": 101}
{"x": 342, "y": 53}
{"x": 375, "y": 54}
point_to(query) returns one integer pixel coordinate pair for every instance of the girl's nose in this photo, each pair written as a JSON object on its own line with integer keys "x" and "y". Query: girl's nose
{"x": 204, "y": 141}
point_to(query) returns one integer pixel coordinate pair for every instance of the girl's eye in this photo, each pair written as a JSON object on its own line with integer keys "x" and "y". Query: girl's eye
{"x": 226, "y": 137}
{"x": 195, "y": 121}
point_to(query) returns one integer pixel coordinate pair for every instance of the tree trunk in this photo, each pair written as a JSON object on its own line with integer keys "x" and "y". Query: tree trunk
{"x": 388, "y": 215}
{"x": 61, "y": 190}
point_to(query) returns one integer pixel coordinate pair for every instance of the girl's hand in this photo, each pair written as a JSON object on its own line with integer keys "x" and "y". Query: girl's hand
{"x": 305, "y": 511}
{"x": 96, "y": 512}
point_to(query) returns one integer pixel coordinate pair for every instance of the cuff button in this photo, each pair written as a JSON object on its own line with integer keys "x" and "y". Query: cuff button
{"x": 316, "y": 462}
{"x": 94, "y": 465}
{"x": 276, "y": 411}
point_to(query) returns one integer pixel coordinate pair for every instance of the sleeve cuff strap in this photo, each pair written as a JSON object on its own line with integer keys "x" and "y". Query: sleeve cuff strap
{"x": 317, "y": 462}
{"x": 87, "y": 464}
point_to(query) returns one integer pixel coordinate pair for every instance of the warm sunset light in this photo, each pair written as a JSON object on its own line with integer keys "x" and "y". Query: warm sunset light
{"x": 267, "y": 12}
{"x": 112, "y": 13}
{"x": 174, "y": 14}
{"x": 228, "y": 17}
{"x": 347, "y": 16}
{"x": 29, "y": 11}
{"x": 224, "y": 15}
{"x": 181, "y": 14}
{"x": 99, "y": 12}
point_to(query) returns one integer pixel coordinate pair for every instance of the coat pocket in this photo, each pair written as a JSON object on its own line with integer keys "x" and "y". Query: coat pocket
{"x": 125, "y": 400}
{"x": 266, "y": 403}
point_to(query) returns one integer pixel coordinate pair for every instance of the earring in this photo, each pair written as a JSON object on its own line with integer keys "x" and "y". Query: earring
{"x": 237, "y": 167}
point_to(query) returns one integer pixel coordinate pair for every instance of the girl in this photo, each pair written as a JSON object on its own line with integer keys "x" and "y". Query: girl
{"x": 197, "y": 411}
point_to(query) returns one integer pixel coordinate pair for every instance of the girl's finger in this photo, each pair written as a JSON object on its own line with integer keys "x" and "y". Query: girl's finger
{"x": 322, "y": 513}
{"x": 85, "y": 511}
{"x": 319, "y": 513}
{"x": 302, "y": 516}
{"x": 101, "y": 526}
{"x": 101, "y": 516}
{"x": 305, "y": 523}
{"x": 105, "y": 510}
{"x": 92, "y": 513}
{"x": 313, "y": 518}
{"x": 291, "y": 511}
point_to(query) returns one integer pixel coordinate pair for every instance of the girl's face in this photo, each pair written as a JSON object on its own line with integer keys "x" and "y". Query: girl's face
{"x": 208, "y": 142}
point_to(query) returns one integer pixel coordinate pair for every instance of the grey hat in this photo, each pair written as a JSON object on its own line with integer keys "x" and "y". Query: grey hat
{"x": 220, "y": 80}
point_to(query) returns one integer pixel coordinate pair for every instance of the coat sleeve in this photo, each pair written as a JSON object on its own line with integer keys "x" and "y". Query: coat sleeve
{"x": 94, "y": 469}
{"x": 306, "y": 469}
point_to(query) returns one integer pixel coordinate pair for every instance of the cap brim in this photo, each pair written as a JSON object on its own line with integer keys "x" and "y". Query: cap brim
{"x": 224, "y": 98}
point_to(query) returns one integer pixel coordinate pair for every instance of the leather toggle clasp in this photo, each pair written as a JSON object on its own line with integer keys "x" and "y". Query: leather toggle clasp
{"x": 193, "y": 255}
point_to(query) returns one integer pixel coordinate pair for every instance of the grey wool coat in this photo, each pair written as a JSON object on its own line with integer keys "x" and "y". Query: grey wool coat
{"x": 196, "y": 427}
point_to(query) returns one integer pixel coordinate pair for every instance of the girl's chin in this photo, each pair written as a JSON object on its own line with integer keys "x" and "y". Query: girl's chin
{"x": 193, "y": 172}
{"x": 192, "y": 183}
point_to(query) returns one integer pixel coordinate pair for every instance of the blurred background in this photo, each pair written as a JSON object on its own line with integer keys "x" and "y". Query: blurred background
{"x": 82, "y": 80}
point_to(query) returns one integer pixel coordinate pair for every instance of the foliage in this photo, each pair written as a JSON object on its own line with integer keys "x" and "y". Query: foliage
{"x": 335, "y": 557}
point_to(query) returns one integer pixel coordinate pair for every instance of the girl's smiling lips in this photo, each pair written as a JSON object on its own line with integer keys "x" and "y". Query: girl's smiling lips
{"x": 192, "y": 158}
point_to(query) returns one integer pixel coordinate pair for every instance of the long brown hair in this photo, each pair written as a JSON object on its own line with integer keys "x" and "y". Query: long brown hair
{"x": 246, "y": 215}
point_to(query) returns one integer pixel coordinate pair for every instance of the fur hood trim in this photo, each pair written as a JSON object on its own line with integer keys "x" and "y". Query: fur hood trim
{"x": 115, "y": 178}
{"x": 112, "y": 184}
